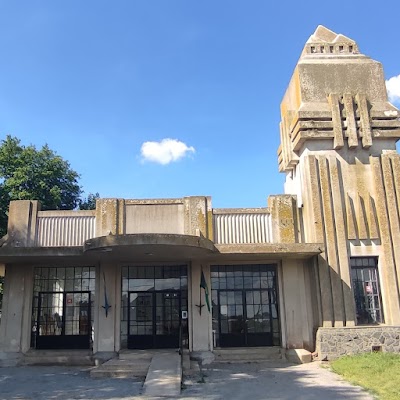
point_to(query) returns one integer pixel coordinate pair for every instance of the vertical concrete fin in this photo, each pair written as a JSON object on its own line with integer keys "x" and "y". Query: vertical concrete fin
{"x": 393, "y": 211}
{"x": 361, "y": 218}
{"x": 330, "y": 235}
{"x": 389, "y": 276}
{"x": 350, "y": 121}
{"x": 351, "y": 219}
{"x": 372, "y": 219}
{"x": 343, "y": 267}
{"x": 336, "y": 121}
{"x": 365, "y": 125}
{"x": 395, "y": 158}
{"x": 317, "y": 216}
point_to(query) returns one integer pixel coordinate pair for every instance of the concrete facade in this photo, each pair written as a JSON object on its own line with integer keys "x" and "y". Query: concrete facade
{"x": 340, "y": 208}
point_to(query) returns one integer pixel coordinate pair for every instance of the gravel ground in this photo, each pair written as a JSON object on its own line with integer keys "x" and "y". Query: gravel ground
{"x": 250, "y": 381}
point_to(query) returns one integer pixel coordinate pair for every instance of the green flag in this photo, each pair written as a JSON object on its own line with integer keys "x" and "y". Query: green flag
{"x": 203, "y": 284}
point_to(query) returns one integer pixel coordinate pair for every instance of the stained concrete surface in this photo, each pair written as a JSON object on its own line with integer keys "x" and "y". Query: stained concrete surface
{"x": 256, "y": 381}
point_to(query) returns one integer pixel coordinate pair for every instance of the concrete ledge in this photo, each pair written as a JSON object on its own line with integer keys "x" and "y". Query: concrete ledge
{"x": 298, "y": 356}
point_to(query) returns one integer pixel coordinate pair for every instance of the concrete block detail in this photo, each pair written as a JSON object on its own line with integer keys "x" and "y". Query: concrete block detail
{"x": 284, "y": 219}
{"x": 22, "y": 223}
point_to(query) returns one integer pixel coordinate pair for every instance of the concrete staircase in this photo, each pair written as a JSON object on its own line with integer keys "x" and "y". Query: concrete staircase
{"x": 249, "y": 354}
{"x": 129, "y": 364}
{"x": 161, "y": 370}
{"x": 58, "y": 357}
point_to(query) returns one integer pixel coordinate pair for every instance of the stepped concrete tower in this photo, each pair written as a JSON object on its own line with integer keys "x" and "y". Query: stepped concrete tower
{"x": 338, "y": 150}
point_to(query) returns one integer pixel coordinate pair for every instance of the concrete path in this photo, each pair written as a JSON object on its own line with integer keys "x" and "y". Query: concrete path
{"x": 164, "y": 376}
{"x": 273, "y": 381}
{"x": 261, "y": 381}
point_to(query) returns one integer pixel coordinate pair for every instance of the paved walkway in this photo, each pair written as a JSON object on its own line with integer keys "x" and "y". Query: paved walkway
{"x": 222, "y": 381}
{"x": 164, "y": 376}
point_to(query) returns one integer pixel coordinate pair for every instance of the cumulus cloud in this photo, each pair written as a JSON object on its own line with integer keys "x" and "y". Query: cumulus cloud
{"x": 165, "y": 151}
{"x": 393, "y": 89}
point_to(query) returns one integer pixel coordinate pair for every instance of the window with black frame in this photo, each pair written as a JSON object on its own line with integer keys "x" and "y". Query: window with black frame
{"x": 62, "y": 307}
{"x": 366, "y": 288}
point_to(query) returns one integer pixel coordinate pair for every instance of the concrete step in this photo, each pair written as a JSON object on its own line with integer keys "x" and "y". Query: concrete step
{"x": 117, "y": 368}
{"x": 99, "y": 373}
{"x": 248, "y": 354}
{"x": 59, "y": 357}
{"x": 127, "y": 364}
{"x": 137, "y": 354}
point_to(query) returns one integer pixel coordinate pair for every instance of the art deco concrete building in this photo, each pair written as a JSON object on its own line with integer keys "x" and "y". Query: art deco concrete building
{"x": 318, "y": 269}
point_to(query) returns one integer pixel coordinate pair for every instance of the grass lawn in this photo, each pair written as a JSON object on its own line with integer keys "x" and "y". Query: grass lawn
{"x": 377, "y": 372}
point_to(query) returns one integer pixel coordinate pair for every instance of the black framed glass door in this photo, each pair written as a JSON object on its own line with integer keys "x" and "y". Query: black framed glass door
{"x": 245, "y": 305}
{"x": 63, "y": 320}
{"x": 154, "y": 319}
{"x": 245, "y": 318}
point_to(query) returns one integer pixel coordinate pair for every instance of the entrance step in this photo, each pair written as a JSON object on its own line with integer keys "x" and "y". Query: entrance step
{"x": 116, "y": 368}
{"x": 164, "y": 377}
{"x": 129, "y": 364}
{"x": 248, "y": 354}
{"x": 58, "y": 357}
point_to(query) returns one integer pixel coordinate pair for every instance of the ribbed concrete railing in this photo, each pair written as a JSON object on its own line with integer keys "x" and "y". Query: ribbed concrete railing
{"x": 64, "y": 228}
{"x": 240, "y": 226}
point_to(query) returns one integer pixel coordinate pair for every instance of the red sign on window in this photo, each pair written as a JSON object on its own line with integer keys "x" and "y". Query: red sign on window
{"x": 368, "y": 289}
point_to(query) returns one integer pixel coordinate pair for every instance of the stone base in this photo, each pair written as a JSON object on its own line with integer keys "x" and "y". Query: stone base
{"x": 10, "y": 359}
{"x": 332, "y": 343}
{"x": 102, "y": 356}
{"x": 203, "y": 357}
{"x": 298, "y": 356}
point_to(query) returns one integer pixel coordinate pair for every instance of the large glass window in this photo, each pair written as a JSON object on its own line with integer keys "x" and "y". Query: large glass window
{"x": 367, "y": 294}
{"x": 62, "y": 307}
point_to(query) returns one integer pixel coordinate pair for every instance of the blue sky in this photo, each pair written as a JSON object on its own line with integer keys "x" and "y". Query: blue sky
{"x": 96, "y": 80}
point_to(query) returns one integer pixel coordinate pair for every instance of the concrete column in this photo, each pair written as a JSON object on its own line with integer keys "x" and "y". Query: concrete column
{"x": 295, "y": 308}
{"x": 110, "y": 217}
{"x": 200, "y": 332}
{"x": 198, "y": 216}
{"x": 15, "y": 327}
{"x": 22, "y": 219}
{"x": 106, "y": 326}
{"x": 284, "y": 218}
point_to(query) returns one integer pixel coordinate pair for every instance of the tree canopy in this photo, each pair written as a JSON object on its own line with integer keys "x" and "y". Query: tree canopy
{"x": 40, "y": 174}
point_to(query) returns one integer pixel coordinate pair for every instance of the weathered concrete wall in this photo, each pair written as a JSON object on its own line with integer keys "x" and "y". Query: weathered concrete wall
{"x": 154, "y": 218}
{"x": 21, "y": 228}
{"x": 296, "y": 308}
{"x": 15, "y": 327}
{"x": 335, "y": 342}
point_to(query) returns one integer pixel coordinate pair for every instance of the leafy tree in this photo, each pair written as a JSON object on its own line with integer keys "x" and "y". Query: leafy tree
{"x": 89, "y": 203}
{"x": 41, "y": 174}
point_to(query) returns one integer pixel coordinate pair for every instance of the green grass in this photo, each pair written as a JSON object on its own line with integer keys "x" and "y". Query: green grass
{"x": 377, "y": 372}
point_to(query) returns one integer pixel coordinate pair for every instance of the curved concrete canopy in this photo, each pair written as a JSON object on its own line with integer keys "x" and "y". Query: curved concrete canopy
{"x": 151, "y": 246}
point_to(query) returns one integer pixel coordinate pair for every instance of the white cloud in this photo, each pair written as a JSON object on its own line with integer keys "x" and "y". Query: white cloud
{"x": 165, "y": 151}
{"x": 393, "y": 89}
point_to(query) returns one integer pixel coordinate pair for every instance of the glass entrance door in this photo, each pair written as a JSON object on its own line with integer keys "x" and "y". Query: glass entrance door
{"x": 154, "y": 319}
{"x": 245, "y": 305}
{"x": 244, "y": 318}
{"x": 63, "y": 320}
